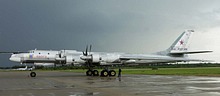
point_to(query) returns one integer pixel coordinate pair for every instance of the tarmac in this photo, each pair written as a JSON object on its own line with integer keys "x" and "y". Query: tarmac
{"x": 55, "y": 83}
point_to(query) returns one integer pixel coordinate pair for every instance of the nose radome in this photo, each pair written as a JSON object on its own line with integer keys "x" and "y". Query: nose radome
{"x": 15, "y": 59}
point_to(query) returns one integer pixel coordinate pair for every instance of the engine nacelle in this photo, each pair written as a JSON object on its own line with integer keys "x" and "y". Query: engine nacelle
{"x": 96, "y": 58}
{"x": 69, "y": 59}
{"x": 130, "y": 61}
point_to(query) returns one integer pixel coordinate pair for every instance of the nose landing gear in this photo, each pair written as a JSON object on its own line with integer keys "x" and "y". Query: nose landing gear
{"x": 33, "y": 74}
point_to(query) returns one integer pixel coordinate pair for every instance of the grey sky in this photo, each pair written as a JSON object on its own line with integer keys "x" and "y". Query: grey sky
{"x": 131, "y": 26}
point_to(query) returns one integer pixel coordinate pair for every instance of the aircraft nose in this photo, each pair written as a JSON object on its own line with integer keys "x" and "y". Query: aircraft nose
{"x": 15, "y": 59}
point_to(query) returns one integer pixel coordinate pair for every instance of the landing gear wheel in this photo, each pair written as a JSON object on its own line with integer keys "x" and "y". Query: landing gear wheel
{"x": 33, "y": 74}
{"x": 104, "y": 73}
{"x": 89, "y": 73}
{"x": 112, "y": 73}
{"x": 95, "y": 73}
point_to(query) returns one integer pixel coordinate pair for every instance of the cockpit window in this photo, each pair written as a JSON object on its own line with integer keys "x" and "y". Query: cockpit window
{"x": 31, "y": 51}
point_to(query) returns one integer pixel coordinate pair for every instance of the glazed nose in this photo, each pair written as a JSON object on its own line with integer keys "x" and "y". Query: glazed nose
{"x": 15, "y": 59}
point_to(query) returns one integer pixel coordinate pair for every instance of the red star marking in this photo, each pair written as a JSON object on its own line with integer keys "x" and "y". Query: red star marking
{"x": 181, "y": 42}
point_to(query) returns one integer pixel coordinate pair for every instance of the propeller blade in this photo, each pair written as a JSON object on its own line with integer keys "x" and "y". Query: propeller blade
{"x": 86, "y": 50}
{"x": 90, "y": 48}
{"x": 85, "y": 53}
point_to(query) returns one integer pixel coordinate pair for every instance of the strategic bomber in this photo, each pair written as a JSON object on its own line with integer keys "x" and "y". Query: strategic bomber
{"x": 177, "y": 52}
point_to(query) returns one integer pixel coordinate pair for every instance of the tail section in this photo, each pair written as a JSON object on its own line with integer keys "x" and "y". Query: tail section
{"x": 182, "y": 42}
{"x": 180, "y": 47}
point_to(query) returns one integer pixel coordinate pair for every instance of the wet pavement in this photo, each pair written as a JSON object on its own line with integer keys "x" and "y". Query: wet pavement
{"x": 54, "y": 83}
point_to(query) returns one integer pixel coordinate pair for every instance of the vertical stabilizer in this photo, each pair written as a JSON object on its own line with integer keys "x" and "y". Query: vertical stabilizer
{"x": 182, "y": 42}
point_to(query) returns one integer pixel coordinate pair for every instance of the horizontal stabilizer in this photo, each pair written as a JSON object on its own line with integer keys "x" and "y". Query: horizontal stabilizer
{"x": 191, "y": 52}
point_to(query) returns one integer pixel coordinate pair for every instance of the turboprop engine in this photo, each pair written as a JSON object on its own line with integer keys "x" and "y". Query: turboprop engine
{"x": 94, "y": 58}
{"x": 69, "y": 59}
{"x": 89, "y": 57}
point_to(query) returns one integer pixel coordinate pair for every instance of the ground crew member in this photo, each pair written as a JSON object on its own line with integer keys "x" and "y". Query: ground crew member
{"x": 119, "y": 72}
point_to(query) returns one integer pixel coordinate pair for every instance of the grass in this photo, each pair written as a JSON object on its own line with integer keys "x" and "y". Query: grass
{"x": 203, "y": 71}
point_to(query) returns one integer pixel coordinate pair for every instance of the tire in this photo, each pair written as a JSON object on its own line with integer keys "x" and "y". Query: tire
{"x": 95, "y": 73}
{"x": 33, "y": 74}
{"x": 89, "y": 73}
{"x": 104, "y": 73}
{"x": 112, "y": 73}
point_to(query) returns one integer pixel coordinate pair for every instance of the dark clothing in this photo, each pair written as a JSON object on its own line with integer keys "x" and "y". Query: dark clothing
{"x": 119, "y": 72}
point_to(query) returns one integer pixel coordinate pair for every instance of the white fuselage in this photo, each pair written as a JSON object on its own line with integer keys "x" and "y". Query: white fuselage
{"x": 63, "y": 57}
{"x": 175, "y": 53}
{"x": 75, "y": 57}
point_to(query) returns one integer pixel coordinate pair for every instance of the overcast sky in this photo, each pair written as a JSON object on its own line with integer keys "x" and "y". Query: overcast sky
{"x": 131, "y": 26}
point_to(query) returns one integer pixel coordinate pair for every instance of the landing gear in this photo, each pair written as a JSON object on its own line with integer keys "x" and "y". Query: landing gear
{"x": 33, "y": 74}
{"x": 95, "y": 73}
{"x": 89, "y": 73}
{"x": 112, "y": 73}
{"x": 104, "y": 73}
{"x": 92, "y": 73}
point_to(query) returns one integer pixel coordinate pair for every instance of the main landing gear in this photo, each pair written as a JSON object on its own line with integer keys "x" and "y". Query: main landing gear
{"x": 104, "y": 73}
{"x": 92, "y": 73}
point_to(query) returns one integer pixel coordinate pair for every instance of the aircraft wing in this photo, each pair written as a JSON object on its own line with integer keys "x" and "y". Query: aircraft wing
{"x": 12, "y": 52}
{"x": 160, "y": 58}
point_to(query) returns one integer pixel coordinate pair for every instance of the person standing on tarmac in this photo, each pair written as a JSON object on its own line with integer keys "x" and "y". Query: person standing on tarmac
{"x": 119, "y": 72}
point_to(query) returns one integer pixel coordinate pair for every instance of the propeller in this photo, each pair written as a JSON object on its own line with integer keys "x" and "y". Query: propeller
{"x": 86, "y": 53}
{"x": 90, "y": 49}
{"x": 87, "y": 56}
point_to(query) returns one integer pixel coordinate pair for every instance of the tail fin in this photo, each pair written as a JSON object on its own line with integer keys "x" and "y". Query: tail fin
{"x": 180, "y": 47}
{"x": 181, "y": 44}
